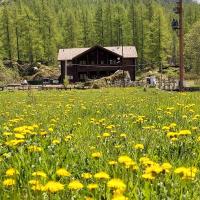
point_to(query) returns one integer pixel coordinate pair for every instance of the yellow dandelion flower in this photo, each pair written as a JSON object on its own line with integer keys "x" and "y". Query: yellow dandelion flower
{"x": 123, "y": 135}
{"x": 127, "y": 161}
{"x": 101, "y": 175}
{"x": 174, "y": 139}
{"x": 148, "y": 176}
{"x": 194, "y": 128}
{"x": 11, "y": 172}
{"x": 89, "y": 198}
{"x": 185, "y": 132}
{"x": 7, "y": 133}
{"x": 63, "y": 172}
{"x": 112, "y": 162}
{"x": 9, "y": 182}
{"x": 106, "y": 135}
{"x": 172, "y": 134}
{"x": 97, "y": 155}
{"x": 124, "y": 159}
{"x": 43, "y": 133}
{"x": 37, "y": 187}
{"x": 139, "y": 146}
{"x": 165, "y": 128}
{"x": 110, "y": 127}
{"x": 135, "y": 167}
{"x": 40, "y": 174}
{"x": 172, "y": 125}
{"x": 119, "y": 197}
{"x": 179, "y": 170}
{"x": 12, "y": 143}
{"x": 154, "y": 169}
{"x": 33, "y": 182}
{"x": 186, "y": 173}
{"x": 190, "y": 173}
{"x": 116, "y": 184}
{"x": 92, "y": 186}
{"x": 67, "y": 138}
{"x": 92, "y": 148}
{"x": 19, "y": 136}
{"x": 56, "y": 142}
{"x": 86, "y": 175}
{"x": 166, "y": 167}
{"x": 34, "y": 148}
{"x": 146, "y": 161}
{"x": 75, "y": 185}
{"x": 53, "y": 187}
{"x": 50, "y": 129}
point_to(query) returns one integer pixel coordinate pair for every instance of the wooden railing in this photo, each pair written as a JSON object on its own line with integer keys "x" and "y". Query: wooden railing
{"x": 40, "y": 87}
{"x": 165, "y": 84}
{"x": 169, "y": 84}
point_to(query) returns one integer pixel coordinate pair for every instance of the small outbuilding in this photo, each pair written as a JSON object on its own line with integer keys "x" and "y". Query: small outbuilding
{"x": 82, "y": 64}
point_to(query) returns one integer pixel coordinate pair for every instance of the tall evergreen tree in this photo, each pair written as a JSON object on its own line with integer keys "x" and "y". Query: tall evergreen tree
{"x": 7, "y": 39}
{"x": 35, "y": 30}
{"x": 99, "y": 25}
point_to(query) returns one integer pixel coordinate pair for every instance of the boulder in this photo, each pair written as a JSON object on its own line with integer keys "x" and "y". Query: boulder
{"x": 117, "y": 79}
{"x": 44, "y": 72}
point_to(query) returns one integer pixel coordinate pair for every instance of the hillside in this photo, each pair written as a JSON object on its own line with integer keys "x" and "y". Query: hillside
{"x": 33, "y": 31}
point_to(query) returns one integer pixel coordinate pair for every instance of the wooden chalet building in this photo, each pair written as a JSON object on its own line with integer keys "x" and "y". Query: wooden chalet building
{"x": 81, "y": 64}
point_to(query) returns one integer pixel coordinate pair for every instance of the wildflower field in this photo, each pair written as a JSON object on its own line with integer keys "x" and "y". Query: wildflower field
{"x": 100, "y": 144}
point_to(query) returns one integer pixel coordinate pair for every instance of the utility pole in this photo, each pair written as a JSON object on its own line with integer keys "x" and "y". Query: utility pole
{"x": 124, "y": 84}
{"x": 181, "y": 45}
{"x": 179, "y": 25}
{"x": 121, "y": 42}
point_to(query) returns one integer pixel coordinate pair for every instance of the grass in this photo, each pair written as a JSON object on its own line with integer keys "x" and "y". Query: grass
{"x": 47, "y": 131}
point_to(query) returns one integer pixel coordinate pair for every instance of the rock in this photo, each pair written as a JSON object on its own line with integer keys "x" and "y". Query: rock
{"x": 31, "y": 71}
{"x": 119, "y": 78}
{"x": 45, "y": 72}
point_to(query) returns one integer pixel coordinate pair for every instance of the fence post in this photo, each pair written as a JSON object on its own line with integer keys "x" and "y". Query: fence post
{"x": 169, "y": 84}
{"x": 164, "y": 84}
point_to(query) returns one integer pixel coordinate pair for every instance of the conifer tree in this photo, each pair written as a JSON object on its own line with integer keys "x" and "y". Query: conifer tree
{"x": 7, "y": 33}
{"x": 99, "y": 25}
{"x": 33, "y": 31}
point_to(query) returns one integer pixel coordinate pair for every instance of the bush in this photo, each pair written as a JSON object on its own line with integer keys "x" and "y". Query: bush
{"x": 8, "y": 75}
{"x": 66, "y": 82}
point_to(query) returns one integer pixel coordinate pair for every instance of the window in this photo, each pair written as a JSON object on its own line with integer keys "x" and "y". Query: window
{"x": 83, "y": 77}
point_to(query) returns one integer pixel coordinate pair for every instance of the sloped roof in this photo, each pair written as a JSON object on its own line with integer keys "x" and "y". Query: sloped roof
{"x": 69, "y": 54}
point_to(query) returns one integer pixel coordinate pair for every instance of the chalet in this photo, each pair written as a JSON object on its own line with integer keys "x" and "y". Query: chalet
{"x": 81, "y": 64}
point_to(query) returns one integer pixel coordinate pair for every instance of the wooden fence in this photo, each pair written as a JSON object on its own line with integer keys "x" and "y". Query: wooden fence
{"x": 169, "y": 84}
{"x": 165, "y": 84}
{"x": 39, "y": 87}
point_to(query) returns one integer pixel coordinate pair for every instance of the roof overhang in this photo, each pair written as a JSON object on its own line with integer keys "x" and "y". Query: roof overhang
{"x": 70, "y": 54}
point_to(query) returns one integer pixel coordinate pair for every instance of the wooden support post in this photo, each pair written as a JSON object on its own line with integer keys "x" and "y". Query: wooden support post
{"x": 181, "y": 46}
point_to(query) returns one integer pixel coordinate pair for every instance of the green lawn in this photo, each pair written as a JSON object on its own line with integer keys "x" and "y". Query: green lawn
{"x": 144, "y": 144}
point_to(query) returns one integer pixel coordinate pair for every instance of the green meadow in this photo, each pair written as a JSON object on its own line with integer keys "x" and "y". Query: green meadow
{"x": 115, "y": 144}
